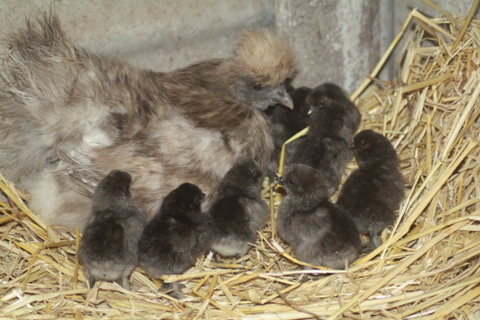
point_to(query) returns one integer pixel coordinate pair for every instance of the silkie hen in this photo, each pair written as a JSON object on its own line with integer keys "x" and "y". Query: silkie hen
{"x": 68, "y": 117}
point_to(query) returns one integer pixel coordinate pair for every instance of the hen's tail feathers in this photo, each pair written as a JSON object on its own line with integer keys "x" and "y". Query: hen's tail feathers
{"x": 32, "y": 79}
{"x": 50, "y": 95}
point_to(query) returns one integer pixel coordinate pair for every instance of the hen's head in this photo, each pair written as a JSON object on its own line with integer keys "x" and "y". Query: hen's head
{"x": 263, "y": 61}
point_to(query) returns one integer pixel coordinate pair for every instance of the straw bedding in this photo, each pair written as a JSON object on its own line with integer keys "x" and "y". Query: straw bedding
{"x": 427, "y": 268}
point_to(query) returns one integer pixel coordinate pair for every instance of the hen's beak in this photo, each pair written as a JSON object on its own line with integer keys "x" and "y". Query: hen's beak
{"x": 280, "y": 96}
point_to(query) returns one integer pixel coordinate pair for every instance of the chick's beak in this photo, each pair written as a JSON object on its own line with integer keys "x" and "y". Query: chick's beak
{"x": 280, "y": 180}
{"x": 310, "y": 109}
{"x": 352, "y": 147}
{"x": 280, "y": 96}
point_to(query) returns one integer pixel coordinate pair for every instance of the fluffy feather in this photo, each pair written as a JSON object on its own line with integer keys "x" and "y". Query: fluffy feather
{"x": 68, "y": 116}
{"x": 374, "y": 191}
{"x": 320, "y": 232}
{"x": 109, "y": 244}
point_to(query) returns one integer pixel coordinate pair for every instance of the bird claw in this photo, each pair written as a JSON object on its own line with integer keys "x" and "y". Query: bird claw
{"x": 177, "y": 291}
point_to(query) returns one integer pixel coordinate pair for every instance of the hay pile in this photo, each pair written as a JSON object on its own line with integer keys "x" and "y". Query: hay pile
{"x": 428, "y": 267}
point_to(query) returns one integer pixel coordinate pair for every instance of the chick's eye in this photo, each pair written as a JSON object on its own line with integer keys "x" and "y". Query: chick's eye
{"x": 198, "y": 199}
{"x": 257, "y": 86}
{"x": 292, "y": 182}
{"x": 359, "y": 147}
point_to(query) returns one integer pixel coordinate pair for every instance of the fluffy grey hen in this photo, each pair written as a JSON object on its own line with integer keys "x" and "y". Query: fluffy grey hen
{"x": 68, "y": 116}
{"x": 108, "y": 250}
{"x": 320, "y": 232}
{"x": 374, "y": 191}
{"x": 177, "y": 235}
{"x": 323, "y": 148}
{"x": 239, "y": 211}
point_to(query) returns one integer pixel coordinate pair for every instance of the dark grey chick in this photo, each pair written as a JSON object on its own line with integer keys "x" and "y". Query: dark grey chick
{"x": 177, "y": 235}
{"x": 320, "y": 232}
{"x": 108, "y": 249}
{"x": 286, "y": 122}
{"x": 323, "y": 148}
{"x": 330, "y": 91}
{"x": 239, "y": 211}
{"x": 374, "y": 191}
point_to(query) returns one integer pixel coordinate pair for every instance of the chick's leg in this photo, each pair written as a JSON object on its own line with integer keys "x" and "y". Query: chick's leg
{"x": 177, "y": 291}
{"x": 91, "y": 281}
{"x": 123, "y": 281}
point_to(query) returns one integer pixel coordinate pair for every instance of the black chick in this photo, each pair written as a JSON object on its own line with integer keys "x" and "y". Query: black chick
{"x": 239, "y": 211}
{"x": 177, "y": 235}
{"x": 109, "y": 244}
{"x": 330, "y": 91}
{"x": 323, "y": 148}
{"x": 374, "y": 191}
{"x": 285, "y": 123}
{"x": 320, "y": 232}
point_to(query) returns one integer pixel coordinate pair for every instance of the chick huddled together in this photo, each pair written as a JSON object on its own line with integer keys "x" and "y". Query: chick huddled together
{"x": 159, "y": 168}
{"x": 117, "y": 237}
{"x": 319, "y": 231}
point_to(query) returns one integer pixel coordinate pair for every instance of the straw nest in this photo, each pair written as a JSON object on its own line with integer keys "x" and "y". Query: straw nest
{"x": 428, "y": 266}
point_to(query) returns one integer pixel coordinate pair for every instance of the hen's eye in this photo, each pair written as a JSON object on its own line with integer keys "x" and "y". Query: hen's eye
{"x": 292, "y": 182}
{"x": 257, "y": 86}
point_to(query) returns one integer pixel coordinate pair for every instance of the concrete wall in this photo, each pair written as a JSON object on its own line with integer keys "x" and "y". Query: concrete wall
{"x": 335, "y": 40}
{"x": 342, "y": 40}
{"x": 156, "y": 34}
